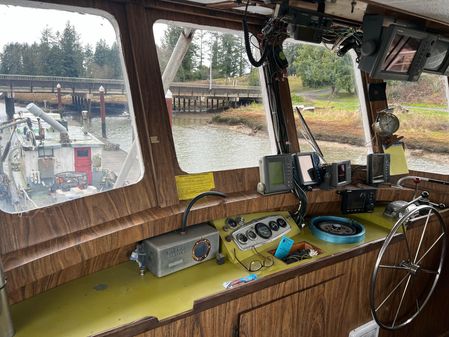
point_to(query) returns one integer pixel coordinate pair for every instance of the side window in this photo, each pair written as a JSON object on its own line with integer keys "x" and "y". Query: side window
{"x": 323, "y": 87}
{"x": 422, "y": 109}
{"x": 67, "y": 122}
{"x": 214, "y": 99}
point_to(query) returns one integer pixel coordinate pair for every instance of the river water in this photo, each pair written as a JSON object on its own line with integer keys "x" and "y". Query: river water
{"x": 208, "y": 147}
{"x": 204, "y": 147}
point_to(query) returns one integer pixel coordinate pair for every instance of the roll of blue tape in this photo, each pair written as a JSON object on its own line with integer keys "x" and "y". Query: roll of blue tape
{"x": 358, "y": 236}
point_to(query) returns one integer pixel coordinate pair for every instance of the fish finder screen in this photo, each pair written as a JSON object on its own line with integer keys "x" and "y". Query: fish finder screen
{"x": 355, "y": 200}
{"x": 401, "y": 53}
{"x": 378, "y": 167}
{"x": 341, "y": 173}
{"x": 276, "y": 172}
{"x": 306, "y": 166}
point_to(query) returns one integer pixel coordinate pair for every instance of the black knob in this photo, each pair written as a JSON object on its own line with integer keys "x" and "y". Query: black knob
{"x": 231, "y": 222}
{"x": 281, "y": 222}
{"x": 274, "y": 225}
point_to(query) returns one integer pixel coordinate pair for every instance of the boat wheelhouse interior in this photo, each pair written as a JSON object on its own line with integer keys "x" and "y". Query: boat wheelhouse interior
{"x": 221, "y": 168}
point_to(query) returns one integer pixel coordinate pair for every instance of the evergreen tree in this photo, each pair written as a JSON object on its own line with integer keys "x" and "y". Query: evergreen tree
{"x": 48, "y": 59}
{"x": 88, "y": 61}
{"x": 30, "y": 56}
{"x": 229, "y": 59}
{"x": 215, "y": 54}
{"x": 11, "y": 59}
{"x": 71, "y": 52}
{"x": 115, "y": 62}
{"x": 101, "y": 53}
{"x": 320, "y": 67}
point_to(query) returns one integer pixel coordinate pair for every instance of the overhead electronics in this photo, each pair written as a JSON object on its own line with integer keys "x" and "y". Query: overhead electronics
{"x": 276, "y": 174}
{"x": 438, "y": 61}
{"x": 395, "y": 52}
{"x": 378, "y": 168}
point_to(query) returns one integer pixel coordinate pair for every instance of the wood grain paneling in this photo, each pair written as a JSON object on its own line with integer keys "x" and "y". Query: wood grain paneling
{"x": 329, "y": 302}
{"x": 87, "y": 267}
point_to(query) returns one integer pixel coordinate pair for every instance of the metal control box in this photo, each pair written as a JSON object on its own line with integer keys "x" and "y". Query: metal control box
{"x": 170, "y": 252}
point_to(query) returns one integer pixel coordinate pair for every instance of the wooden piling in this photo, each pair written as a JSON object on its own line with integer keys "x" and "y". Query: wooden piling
{"x": 58, "y": 89}
{"x": 102, "y": 112}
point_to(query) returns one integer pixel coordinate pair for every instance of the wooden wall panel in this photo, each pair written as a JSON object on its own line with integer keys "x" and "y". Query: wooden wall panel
{"x": 37, "y": 262}
{"x": 329, "y": 302}
{"x": 99, "y": 262}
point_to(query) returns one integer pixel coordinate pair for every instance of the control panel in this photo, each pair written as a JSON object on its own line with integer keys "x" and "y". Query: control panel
{"x": 242, "y": 234}
{"x": 260, "y": 231}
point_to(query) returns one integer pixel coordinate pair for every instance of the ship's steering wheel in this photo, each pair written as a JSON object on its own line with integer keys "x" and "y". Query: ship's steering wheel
{"x": 407, "y": 272}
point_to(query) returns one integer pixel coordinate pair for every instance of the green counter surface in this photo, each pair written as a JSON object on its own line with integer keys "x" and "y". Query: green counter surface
{"x": 119, "y": 295}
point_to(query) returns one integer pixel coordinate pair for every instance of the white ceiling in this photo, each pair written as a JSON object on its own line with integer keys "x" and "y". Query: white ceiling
{"x": 434, "y": 9}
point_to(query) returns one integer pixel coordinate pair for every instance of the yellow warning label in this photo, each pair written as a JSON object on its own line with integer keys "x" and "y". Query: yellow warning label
{"x": 398, "y": 162}
{"x": 190, "y": 185}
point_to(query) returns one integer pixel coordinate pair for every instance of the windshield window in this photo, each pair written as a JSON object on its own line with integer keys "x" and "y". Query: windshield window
{"x": 422, "y": 109}
{"x": 214, "y": 99}
{"x": 66, "y": 119}
{"x": 323, "y": 88}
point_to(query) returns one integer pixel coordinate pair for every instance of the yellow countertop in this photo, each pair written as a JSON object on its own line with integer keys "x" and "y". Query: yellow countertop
{"x": 119, "y": 295}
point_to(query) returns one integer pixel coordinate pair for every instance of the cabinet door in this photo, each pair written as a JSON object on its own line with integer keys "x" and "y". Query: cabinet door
{"x": 303, "y": 314}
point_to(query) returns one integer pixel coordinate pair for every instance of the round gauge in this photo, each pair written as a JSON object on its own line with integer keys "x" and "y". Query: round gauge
{"x": 242, "y": 238}
{"x": 386, "y": 124}
{"x": 281, "y": 222}
{"x": 251, "y": 235}
{"x": 263, "y": 230}
{"x": 273, "y": 225}
{"x": 201, "y": 249}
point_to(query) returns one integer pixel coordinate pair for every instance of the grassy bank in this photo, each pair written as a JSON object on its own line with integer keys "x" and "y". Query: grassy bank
{"x": 338, "y": 119}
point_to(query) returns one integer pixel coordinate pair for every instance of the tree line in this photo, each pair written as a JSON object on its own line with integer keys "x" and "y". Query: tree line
{"x": 224, "y": 52}
{"x": 61, "y": 54}
{"x": 320, "y": 67}
{"x": 315, "y": 65}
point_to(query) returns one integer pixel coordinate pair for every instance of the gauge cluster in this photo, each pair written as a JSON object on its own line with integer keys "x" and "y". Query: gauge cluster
{"x": 259, "y": 231}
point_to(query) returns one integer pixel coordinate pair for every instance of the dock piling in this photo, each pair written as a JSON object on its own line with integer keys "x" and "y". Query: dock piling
{"x": 102, "y": 112}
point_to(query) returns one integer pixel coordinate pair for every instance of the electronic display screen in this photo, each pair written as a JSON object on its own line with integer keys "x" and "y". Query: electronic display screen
{"x": 341, "y": 173}
{"x": 437, "y": 56}
{"x": 401, "y": 53}
{"x": 355, "y": 200}
{"x": 378, "y": 168}
{"x": 306, "y": 166}
{"x": 276, "y": 172}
